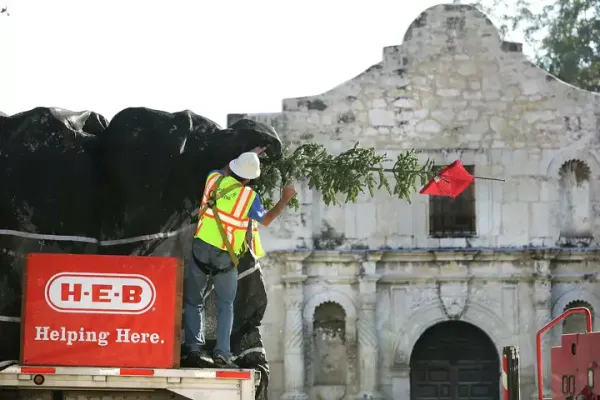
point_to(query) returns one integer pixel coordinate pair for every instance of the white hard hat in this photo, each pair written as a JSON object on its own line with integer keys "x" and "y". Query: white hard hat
{"x": 246, "y": 166}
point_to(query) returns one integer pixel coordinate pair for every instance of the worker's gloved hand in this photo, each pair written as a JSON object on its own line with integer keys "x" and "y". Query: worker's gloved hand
{"x": 288, "y": 192}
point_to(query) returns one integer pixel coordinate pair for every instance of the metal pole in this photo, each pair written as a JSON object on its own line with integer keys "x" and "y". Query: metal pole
{"x": 489, "y": 179}
{"x": 510, "y": 373}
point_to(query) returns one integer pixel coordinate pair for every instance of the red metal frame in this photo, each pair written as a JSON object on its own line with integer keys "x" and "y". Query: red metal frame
{"x": 550, "y": 325}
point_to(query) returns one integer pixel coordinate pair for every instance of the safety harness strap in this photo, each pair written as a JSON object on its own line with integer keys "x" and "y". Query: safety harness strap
{"x": 247, "y": 244}
{"x": 212, "y": 204}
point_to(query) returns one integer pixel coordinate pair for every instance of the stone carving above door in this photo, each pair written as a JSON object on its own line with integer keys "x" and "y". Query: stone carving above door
{"x": 454, "y": 290}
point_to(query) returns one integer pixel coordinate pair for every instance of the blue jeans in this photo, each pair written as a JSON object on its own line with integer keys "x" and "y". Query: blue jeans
{"x": 195, "y": 284}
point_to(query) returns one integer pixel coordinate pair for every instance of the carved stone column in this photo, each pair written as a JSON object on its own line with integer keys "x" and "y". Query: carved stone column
{"x": 294, "y": 368}
{"x": 543, "y": 315}
{"x": 368, "y": 349}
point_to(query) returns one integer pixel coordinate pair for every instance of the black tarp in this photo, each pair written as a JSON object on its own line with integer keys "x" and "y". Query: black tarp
{"x": 72, "y": 173}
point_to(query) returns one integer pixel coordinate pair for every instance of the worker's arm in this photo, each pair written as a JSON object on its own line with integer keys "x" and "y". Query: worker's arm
{"x": 258, "y": 213}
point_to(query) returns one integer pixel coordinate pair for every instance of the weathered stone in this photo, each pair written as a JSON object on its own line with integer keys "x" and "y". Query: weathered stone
{"x": 474, "y": 85}
{"x": 498, "y": 124}
{"x": 429, "y": 126}
{"x": 420, "y": 114}
{"x": 327, "y": 120}
{"x": 491, "y": 95}
{"x": 530, "y": 87}
{"x": 539, "y": 115}
{"x": 378, "y": 103}
{"x": 480, "y": 127}
{"x": 467, "y": 69}
{"x": 448, "y": 92}
{"x": 491, "y": 83}
{"x": 357, "y": 105}
{"x": 443, "y": 116}
{"x": 378, "y": 117}
{"x": 405, "y": 103}
{"x": 468, "y": 115}
{"x": 472, "y": 95}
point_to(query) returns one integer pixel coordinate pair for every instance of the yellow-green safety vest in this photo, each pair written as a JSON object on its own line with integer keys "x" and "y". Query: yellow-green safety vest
{"x": 233, "y": 207}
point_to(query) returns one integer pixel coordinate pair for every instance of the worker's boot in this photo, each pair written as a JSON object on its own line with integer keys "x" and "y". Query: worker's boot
{"x": 223, "y": 361}
{"x": 198, "y": 359}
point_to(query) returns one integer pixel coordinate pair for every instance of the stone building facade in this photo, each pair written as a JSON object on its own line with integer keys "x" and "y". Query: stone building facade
{"x": 385, "y": 299}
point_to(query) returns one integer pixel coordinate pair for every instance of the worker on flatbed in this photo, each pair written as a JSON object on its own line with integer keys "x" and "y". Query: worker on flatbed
{"x": 227, "y": 229}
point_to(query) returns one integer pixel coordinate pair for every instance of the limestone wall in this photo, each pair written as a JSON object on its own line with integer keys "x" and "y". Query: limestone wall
{"x": 454, "y": 90}
{"x": 507, "y": 294}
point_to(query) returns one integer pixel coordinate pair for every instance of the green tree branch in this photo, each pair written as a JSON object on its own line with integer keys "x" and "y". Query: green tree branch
{"x": 347, "y": 175}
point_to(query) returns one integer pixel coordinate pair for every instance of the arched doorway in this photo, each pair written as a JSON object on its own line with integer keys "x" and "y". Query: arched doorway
{"x": 454, "y": 360}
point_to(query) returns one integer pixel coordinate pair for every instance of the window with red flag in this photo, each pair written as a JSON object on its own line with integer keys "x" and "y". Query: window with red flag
{"x": 453, "y": 218}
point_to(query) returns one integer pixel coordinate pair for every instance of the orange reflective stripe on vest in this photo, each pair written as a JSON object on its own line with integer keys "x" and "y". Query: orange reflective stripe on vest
{"x": 210, "y": 186}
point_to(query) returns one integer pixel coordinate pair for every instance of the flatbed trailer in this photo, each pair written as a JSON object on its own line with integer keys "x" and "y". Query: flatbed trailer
{"x": 83, "y": 383}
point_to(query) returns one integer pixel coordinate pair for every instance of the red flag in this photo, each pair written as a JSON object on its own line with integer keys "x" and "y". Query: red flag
{"x": 451, "y": 181}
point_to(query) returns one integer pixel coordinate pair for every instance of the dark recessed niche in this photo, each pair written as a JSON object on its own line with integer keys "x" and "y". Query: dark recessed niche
{"x": 512, "y": 47}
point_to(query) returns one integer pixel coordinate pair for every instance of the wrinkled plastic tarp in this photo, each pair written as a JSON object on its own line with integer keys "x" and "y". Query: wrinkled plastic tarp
{"x": 75, "y": 174}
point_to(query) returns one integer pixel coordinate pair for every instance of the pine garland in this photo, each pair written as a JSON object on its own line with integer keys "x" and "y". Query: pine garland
{"x": 348, "y": 174}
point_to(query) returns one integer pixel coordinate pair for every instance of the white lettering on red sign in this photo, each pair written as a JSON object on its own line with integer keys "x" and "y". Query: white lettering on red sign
{"x": 44, "y": 333}
{"x": 69, "y": 336}
{"x": 89, "y": 293}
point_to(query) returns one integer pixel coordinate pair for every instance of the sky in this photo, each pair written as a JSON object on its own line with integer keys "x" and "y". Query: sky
{"x": 211, "y": 57}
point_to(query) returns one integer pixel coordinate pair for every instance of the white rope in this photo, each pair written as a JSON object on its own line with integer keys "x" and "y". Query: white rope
{"x": 37, "y": 236}
{"x": 7, "y": 363}
{"x": 249, "y": 271}
{"x": 260, "y": 350}
{"x": 84, "y": 239}
{"x": 9, "y": 319}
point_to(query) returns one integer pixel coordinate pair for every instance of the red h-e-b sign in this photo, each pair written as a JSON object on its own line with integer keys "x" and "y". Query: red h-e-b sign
{"x": 102, "y": 311}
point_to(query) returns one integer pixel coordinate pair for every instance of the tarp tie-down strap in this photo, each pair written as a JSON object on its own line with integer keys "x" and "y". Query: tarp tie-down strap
{"x": 115, "y": 242}
{"x": 84, "y": 239}
{"x": 211, "y": 203}
{"x": 9, "y": 319}
{"x": 7, "y": 363}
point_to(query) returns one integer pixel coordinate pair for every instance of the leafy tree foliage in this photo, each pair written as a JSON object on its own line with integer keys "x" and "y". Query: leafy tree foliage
{"x": 564, "y": 35}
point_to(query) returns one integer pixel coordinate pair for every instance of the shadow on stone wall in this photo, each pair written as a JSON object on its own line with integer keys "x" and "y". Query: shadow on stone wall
{"x": 75, "y": 174}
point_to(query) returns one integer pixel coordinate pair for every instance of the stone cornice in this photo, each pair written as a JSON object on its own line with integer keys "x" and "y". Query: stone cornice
{"x": 335, "y": 256}
{"x": 369, "y": 278}
{"x": 438, "y": 255}
{"x": 289, "y": 256}
{"x": 341, "y": 280}
{"x": 293, "y": 278}
{"x": 374, "y": 256}
{"x": 512, "y": 279}
{"x": 391, "y": 266}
